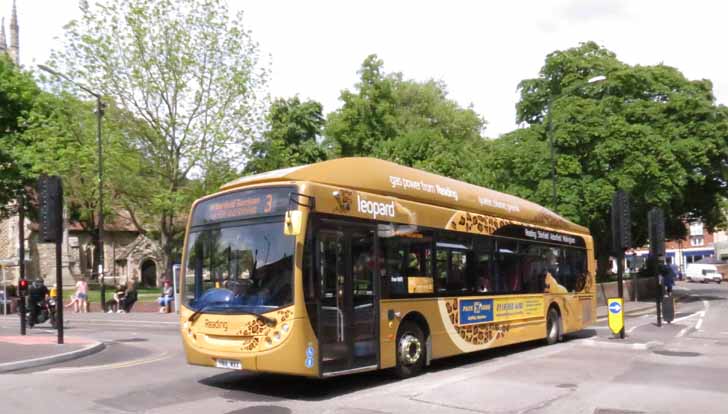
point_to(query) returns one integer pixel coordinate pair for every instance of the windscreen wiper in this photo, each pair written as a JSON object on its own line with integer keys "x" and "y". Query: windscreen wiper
{"x": 197, "y": 313}
{"x": 268, "y": 321}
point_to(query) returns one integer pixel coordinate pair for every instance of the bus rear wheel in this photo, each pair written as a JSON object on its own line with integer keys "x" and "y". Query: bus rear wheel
{"x": 410, "y": 350}
{"x": 553, "y": 327}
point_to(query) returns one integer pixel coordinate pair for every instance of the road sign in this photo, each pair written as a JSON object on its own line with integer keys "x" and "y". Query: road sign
{"x": 616, "y": 315}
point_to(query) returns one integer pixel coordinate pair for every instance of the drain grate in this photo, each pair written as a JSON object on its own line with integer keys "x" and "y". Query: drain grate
{"x": 566, "y": 385}
{"x": 677, "y": 353}
{"x": 616, "y": 411}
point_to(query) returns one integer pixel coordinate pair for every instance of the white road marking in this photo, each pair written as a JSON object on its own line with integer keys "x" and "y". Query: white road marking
{"x": 689, "y": 316}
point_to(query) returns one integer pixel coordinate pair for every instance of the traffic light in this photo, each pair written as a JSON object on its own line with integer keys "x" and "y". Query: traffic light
{"x": 621, "y": 222}
{"x": 23, "y": 287}
{"x": 50, "y": 190}
{"x": 656, "y": 227}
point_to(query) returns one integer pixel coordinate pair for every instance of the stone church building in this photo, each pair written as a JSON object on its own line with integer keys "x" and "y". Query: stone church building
{"x": 128, "y": 253}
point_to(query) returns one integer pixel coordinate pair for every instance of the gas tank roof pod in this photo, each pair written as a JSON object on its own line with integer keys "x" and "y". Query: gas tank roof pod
{"x": 390, "y": 179}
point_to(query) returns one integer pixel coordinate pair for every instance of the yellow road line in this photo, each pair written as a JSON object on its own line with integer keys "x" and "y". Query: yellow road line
{"x": 126, "y": 364}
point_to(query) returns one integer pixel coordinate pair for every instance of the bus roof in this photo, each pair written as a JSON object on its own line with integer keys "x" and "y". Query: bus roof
{"x": 387, "y": 178}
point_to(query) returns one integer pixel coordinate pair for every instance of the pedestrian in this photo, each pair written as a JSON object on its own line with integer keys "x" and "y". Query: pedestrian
{"x": 129, "y": 298}
{"x": 668, "y": 277}
{"x": 167, "y": 297}
{"x": 80, "y": 297}
{"x": 114, "y": 305}
{"x": 37, "y": 295}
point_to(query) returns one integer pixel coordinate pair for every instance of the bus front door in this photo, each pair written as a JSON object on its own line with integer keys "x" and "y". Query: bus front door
{"x": 347, "y": 329}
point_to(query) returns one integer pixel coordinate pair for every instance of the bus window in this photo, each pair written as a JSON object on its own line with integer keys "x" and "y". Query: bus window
{"x": 452, "y": 265}
{"x": 408, "y": 264}
{"x": 484, "y": 280}
{"x": 572, "y": 267}
{"x": 534, "y": 266}
{"x": 509, "y": 265}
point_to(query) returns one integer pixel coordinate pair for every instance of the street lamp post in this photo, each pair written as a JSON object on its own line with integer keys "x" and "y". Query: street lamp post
{"x": 100, "y": 229}
{"x": 550, "y": 135}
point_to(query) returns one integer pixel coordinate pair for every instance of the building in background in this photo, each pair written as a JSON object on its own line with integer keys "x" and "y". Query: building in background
{"x": 12, "y": 49}
{"x": 698, "y": 245}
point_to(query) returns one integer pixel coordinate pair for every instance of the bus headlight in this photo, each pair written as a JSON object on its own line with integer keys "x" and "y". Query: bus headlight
{"x": 284, "y": 328}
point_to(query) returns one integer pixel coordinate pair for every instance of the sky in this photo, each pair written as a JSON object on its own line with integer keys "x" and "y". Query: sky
{"x": 480, "y": 49}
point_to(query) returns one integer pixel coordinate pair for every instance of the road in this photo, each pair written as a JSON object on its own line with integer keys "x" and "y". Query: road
{"x": 678, "y": 368}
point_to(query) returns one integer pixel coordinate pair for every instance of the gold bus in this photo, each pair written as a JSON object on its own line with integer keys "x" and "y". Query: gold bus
{"x": 359, "y": 264}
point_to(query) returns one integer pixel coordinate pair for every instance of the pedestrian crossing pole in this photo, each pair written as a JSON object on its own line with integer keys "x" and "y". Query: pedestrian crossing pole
{"x": 656, "y": 227}
{"x": 50, "y": 190}
{"x": 621, "y": 238}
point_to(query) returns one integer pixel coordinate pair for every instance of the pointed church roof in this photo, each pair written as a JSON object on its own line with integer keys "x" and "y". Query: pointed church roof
{"x": 3, "y": 43}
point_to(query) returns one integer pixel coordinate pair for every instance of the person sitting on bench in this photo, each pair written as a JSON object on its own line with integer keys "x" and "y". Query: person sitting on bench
{"x": 130, "y": 297}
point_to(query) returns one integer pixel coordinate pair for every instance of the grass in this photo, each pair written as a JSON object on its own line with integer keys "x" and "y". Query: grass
{"x": 94, "y": 294}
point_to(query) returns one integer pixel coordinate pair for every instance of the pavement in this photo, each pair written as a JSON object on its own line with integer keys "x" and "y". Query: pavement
{"x": 39, "y": 347}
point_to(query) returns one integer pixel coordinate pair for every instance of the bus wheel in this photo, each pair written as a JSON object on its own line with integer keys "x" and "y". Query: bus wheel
{"x": 410, "y": 350}
{"x": 553, "y": 324}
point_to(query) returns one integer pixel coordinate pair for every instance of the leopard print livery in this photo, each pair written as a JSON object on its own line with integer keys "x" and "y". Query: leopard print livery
{"x": 481, "y": 334}
{"x": 256, "y": 332}
{"x": 584, "y": 283}
{"x": 475, "y": 223}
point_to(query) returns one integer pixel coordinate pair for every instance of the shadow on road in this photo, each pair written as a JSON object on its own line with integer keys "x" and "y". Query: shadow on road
{"x": 254, "y": 387}
{"x": 697, "y": 297}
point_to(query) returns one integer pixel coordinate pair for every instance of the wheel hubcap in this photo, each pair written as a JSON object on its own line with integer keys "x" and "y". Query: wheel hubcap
{"x": 410, "y": 349}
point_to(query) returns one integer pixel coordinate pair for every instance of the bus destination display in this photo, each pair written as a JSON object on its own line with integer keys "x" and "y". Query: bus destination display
{"x": 241, "y": 205}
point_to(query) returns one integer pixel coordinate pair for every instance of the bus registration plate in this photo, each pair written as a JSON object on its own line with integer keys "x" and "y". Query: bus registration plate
{"x": 228, "y": 364}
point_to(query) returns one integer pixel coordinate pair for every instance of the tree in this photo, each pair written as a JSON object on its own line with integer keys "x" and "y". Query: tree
{"x": 291, "y": 138}
{"x": 645, "y": 129}
{"x": 61, "y": 140}
{"x": 188, "y": 78}
{"x": 411, "y": 123}
{"x": 18, "y": 98}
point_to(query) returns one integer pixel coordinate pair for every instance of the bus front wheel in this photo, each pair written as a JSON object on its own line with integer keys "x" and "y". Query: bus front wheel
{"x": 553, "y": 327}
{"x": 410, "y": 350}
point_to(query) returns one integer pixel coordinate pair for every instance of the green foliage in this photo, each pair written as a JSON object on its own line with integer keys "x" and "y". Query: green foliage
{"x": 411, "y": 123}
{"x": 18, "y": 98}
{"x": 291, "y": 138}
{"x": 188, "y": 79}
{"x": 61, "y": 140}
{"x": 645, "y": 129}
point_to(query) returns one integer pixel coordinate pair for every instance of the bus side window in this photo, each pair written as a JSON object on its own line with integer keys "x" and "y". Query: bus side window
{"x": 508, "y": 267}
{"x": 393, "y": 280}
{"x": 574, "y": 265}
{"x": 483, "y": 279}
{"x": 454, "y": 265}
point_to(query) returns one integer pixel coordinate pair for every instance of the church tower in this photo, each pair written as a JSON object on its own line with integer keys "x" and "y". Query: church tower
{"x": 3, "y": 43}
{"x": 14, "y": 48}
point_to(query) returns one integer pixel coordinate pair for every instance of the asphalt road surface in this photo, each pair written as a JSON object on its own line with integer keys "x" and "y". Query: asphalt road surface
{"x": 677, "y": 368}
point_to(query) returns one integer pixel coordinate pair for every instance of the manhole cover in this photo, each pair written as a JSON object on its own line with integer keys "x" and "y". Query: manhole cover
{"x": 677, "y": 353}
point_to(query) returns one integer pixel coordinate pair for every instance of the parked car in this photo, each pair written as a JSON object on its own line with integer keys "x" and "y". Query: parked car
{"x": 698, "y": 272}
